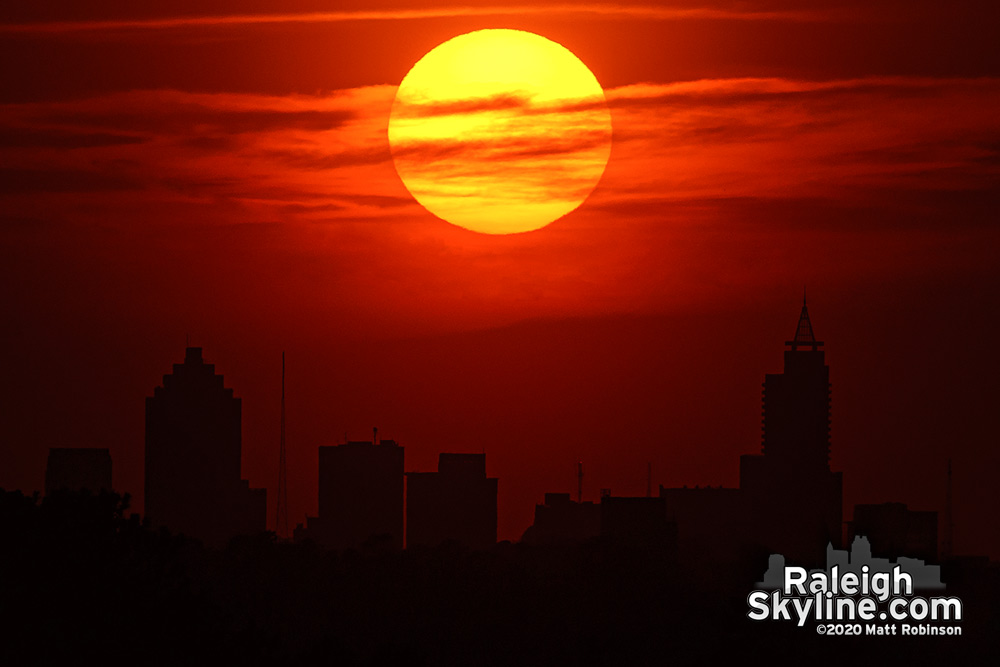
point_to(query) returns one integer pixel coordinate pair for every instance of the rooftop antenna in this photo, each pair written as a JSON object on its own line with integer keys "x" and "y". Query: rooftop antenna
{"x": 579, "y": 482}
{"x": 374, "y": 435}
{"x": 949, "y": 525}
{"x": 281, "y": 521}
{"x": 804, "y": 336}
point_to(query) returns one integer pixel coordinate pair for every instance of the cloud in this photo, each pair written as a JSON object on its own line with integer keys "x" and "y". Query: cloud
{"x": 502, "y": 148}
{"x": 522, "y": 104}
{"x": 326, "y": 157}
{"x": 750, "y": 89}
{"x": 192, "y": 114}
{"x": 246, "y": 152}
{"x": 597, "y": 10}
{"x": 778, "y": 138}
{"x": 316, "y": 160}
{"x": 19, "y": 137}
{"x": 430, "y": 109}
{"x": 41, "y": 181}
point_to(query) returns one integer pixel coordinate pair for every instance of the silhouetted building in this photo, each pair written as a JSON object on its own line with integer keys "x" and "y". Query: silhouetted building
{"x": 636, "y": 521}
{"x": 561, "y": 520}
{"x": 77, "y": 469}
{"x": 360, "y": 496}
{"x": 193, "y": 448}
{"x": 894, "y": 531}
{"x": 794, "y": 497}
{"x": 788, "y": 502}
{"x": 456, "y": 503}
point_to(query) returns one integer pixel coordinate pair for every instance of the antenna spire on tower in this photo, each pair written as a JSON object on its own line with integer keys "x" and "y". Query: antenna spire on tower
{"x": 804, "y": 335}
{"x": 281, "y": 522}
{"x": 949, "y": 524}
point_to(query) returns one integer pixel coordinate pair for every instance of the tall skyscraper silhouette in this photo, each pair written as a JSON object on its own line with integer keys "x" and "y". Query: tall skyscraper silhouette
{"x": 794, "y": 497}
{"x": 796, "y": 405}
{"x": 193, "y": 448}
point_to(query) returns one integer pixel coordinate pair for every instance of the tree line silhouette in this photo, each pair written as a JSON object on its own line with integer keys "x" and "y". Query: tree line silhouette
{"x": 85, "y": 578}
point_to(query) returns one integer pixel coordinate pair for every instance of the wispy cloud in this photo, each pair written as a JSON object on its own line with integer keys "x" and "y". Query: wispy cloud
{"x": 602, "y": 11}
{"x": 778, "y": 138}
{"x": 429, "y": 108}
{"x": 326, "y": 157}
{"x": 258, "y": 153}
{"x": 62, "y": 139}
{"x": 62, "y": 180}
{"x": 491, "y": 154}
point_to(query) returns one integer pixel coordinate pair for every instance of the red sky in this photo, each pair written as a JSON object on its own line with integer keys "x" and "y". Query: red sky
{"x": 221, "y": 169}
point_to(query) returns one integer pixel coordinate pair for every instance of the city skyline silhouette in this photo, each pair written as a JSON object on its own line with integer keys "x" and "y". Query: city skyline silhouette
{"x": 788, "y": 500}
{"x": 629, "y": 577}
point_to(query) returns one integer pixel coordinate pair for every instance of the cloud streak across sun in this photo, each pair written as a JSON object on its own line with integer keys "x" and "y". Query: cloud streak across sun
{"x": 326, "y": 158}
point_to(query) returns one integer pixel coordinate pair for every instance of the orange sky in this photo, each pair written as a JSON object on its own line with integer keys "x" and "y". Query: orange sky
{"x": 221, "y": 169}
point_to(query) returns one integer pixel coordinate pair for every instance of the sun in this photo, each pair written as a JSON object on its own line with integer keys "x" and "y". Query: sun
{"x": 500, "y": 131}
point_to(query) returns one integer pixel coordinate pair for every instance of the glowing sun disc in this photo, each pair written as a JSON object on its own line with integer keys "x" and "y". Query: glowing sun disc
{"x": 500, "y": 131}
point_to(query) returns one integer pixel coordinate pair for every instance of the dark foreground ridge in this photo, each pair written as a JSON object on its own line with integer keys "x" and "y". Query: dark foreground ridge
{"x": 83, "y": 581}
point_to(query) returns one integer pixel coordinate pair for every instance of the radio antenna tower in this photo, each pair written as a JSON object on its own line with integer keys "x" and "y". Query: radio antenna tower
{"x": 281, "y": 521}
{"x": 949, "y": 523}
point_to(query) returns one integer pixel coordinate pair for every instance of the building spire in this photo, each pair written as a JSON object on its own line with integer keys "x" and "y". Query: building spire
{"x": 281, "y": 522}
{"x": 804, "y": 335}
{"x": 804, "y": 332}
